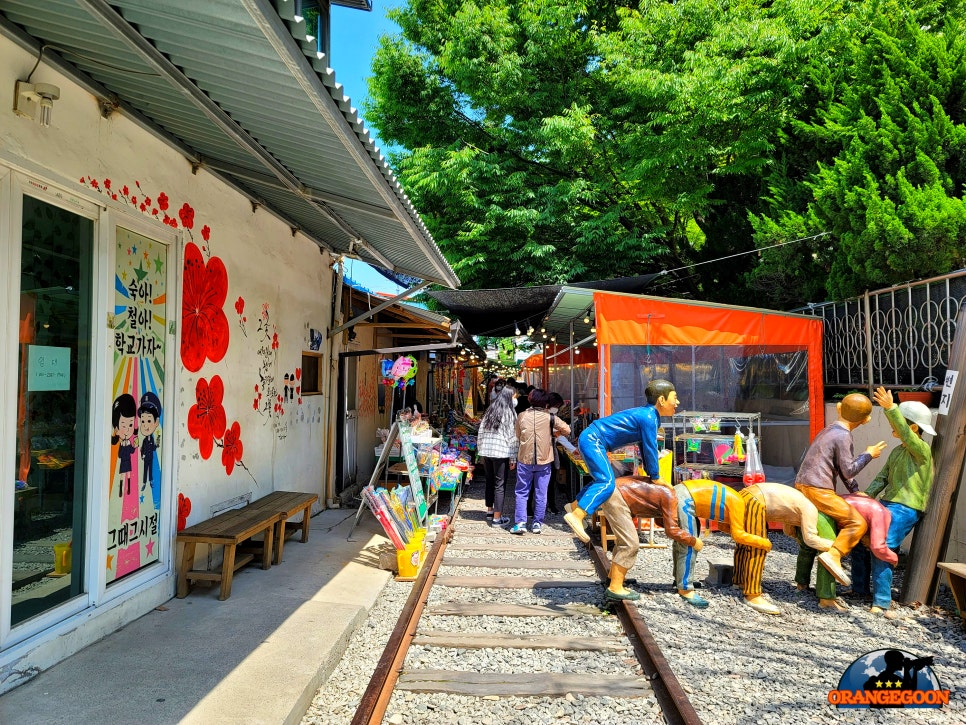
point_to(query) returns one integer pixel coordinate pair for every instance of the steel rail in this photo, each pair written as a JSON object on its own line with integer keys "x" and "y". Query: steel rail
{"x": 375, "y": 700}
{"x": 674, "y": 702}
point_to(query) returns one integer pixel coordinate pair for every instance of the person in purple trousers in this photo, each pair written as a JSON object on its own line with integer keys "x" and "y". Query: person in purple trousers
{"x": 536, "y": 432}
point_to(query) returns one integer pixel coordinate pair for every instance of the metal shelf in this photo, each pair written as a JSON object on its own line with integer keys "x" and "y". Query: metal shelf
{"x": 680, "y": 423}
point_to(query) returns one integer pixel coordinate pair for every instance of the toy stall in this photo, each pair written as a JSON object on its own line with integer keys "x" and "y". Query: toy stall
{"x": 431, "y": 465}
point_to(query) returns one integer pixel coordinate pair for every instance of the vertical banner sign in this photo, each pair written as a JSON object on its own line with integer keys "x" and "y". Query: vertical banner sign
{"x": 949, "y": 385}
{"x": 415, "y": 483}
{"x": 134, "y": 486}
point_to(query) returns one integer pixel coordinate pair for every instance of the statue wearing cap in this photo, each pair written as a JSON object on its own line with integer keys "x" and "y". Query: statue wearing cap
{"x": 903, "y": 486}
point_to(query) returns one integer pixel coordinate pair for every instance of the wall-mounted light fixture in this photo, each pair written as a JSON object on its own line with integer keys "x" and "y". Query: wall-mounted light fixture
{"x": 28, "y": 97}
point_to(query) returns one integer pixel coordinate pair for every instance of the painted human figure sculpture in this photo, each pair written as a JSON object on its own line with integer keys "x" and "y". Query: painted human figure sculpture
{"x": 637, "y": 496}
{"x": 903, "y": 486}
{"x": 824, "y": 583}
{"x": 766, "y": 503}
{"x": 706, "y": 499}
{"x": 830, "y": 457}
{"x": 877, "y": 519}
{"x": 635, "y": 425}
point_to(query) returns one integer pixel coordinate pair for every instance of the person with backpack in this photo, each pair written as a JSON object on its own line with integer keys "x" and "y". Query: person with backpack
{"x": 536, "y": 433}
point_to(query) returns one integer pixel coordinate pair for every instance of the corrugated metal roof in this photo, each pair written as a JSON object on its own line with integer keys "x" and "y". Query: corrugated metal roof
{"x": 237, "y": 88}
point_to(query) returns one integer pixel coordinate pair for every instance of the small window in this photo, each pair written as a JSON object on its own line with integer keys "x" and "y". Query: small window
{"x": 311, "y": 373}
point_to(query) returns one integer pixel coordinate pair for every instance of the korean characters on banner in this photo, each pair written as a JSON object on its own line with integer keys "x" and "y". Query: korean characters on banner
{"x": 140, "y": 321}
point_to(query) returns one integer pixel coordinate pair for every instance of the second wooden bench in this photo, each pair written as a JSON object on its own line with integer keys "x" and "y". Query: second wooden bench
{"x": 287, "y": 503}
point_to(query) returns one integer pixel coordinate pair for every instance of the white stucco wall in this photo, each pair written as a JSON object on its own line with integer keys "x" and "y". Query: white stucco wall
{"x": 284, "y": 280}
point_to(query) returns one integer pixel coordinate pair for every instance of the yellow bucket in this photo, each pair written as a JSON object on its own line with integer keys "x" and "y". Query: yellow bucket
{"x": 62, "y": 558}
{"x": 409, "y": 559}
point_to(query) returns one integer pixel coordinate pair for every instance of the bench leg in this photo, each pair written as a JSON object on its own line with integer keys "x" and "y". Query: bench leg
{"x": 957, "y": 585}
{"x": 269, "y": 548}
{"x": 187, "y": 562}
{"x": 227, "y": 571}
{"x": 306, "y": 515}
{"x": 279, "y": 540}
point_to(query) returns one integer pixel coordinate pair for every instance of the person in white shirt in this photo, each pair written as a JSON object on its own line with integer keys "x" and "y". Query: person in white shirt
{"x": 496, "y": 444}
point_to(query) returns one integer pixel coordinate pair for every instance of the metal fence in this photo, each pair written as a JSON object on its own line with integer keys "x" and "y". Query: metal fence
{"x": 898, "y": 336}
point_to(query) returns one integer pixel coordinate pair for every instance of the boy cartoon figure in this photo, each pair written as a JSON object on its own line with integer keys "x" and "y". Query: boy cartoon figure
{"x": 123, "y": 431}
{"x": 831, "y": 456}
{"x": 903, "y": 486}
{"x": 149, "y": 415}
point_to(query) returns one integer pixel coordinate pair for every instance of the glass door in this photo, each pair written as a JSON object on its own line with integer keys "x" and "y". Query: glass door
{"x": 53, "y": 403}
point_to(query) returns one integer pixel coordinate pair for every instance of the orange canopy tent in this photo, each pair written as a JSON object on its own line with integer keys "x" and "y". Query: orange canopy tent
{"x": 686, "y": 335}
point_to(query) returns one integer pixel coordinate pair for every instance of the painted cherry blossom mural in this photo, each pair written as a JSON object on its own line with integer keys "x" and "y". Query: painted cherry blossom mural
{"x": 204, "y": 328}
{"x": 205, "y": 336}
{"x": 271, "y": 400}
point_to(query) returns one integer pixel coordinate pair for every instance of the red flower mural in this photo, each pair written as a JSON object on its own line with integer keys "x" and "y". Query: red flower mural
{"x": 206, "y": 419}
{"x": 232, "y": 451}
{"x": 184, "y": 508}
{"x": 204, "y": 324}
{"x": 239, "y": 305}
{"x": 163, "y": 201}
{"x": 187, "y": 216}
{"x": 206, "y": 232}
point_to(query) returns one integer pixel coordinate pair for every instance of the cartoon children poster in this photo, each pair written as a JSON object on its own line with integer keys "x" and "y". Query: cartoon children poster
{"x": 140, "y": 322}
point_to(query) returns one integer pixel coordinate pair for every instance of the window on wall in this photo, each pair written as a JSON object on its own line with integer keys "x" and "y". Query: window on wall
{"x": 53, "y": 400}
{"x": 311, "y": 373}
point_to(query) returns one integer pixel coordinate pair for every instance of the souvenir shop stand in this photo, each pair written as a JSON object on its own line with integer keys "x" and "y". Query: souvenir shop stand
{"x": 403, "y": 511}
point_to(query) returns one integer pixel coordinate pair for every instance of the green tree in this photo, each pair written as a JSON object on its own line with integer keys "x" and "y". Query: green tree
{"x": 557, "y": 140}
{"x": 875, "y": 157}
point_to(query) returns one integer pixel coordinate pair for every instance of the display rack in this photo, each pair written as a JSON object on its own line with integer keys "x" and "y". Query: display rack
{"x": 703, "y": 459}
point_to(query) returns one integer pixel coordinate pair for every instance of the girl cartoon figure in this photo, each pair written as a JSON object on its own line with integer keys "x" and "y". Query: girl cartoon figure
{"x": 123, "y": 417}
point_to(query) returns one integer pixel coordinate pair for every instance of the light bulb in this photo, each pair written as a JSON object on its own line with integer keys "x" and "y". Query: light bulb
{"x": 545, "y": 336}
{"x": 593, "y": 329}
{"x": 530, "y": 330}
{"x": 46, "y": 107}
{"x": 516, "y": 331}
{"x": 595, "y": 343}
{"x": 586, "y": 320}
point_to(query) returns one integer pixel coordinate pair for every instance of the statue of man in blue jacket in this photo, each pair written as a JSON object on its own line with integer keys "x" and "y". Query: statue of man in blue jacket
{"x": 634, "y": 425}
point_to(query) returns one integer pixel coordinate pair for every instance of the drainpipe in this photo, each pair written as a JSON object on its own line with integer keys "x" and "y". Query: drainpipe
{"x": 330, "y": 386}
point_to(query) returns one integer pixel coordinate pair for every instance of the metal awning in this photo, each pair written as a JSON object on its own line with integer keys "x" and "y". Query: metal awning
{"x": 236, "y": 86}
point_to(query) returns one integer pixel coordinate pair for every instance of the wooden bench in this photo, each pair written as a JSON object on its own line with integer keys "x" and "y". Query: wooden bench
{"x": 229, "y": 529}
{"x": 956, "y": 573}
{"x": 287, "y": 503}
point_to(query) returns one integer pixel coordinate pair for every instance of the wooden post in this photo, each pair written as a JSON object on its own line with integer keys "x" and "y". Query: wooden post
{"x": 948, "y": 449}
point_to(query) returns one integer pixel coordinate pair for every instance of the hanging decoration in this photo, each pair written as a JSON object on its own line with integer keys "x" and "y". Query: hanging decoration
{"x": 399, "y": 372}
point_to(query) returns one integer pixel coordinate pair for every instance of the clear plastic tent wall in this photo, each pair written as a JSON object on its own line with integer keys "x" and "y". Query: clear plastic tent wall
{"x": 721, "y": 359}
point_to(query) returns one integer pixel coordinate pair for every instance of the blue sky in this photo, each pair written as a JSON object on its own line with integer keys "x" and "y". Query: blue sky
{"x": 355, "y": 37}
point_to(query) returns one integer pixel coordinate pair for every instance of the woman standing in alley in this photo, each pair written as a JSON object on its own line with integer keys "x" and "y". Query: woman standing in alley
{"x": 497, "y": 444}
{"x": 536, "y": 430}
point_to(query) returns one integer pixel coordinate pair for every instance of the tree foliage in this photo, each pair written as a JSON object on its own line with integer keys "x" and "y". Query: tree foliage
{"x": 557, "y": 140}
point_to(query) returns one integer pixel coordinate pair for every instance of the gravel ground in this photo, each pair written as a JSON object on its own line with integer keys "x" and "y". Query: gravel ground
{"x": 737, "y": 666}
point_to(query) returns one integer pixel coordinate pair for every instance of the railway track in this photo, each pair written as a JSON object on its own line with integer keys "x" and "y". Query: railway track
{"x": 476, "y": 575}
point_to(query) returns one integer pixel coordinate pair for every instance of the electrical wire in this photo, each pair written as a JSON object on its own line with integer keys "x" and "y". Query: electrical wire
{"x": 750, "y": 251}
{"x": 89, "y": 59}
